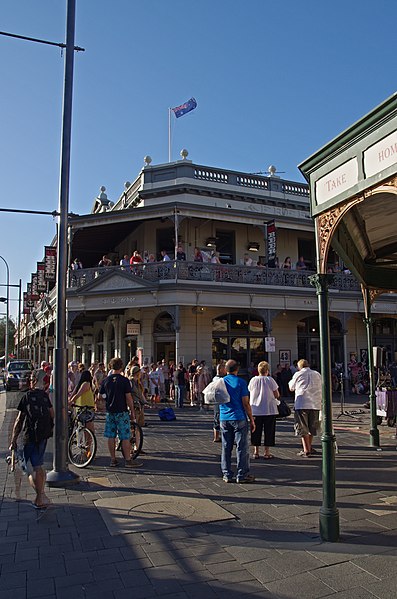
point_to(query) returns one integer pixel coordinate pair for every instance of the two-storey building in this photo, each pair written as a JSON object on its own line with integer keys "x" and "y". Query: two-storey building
{"x": 240, "y": 306}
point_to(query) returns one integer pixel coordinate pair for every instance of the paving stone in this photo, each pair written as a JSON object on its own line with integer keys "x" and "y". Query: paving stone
{"x": 40, "y": 589}
{"x": 340, "y": 577}
{"x": 309, "y": 587}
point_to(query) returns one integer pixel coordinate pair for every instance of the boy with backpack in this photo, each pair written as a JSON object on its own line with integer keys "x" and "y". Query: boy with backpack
{"x": 36, "y": 417}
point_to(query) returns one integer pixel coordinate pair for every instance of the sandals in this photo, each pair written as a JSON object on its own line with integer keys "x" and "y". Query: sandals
{"x": 113, "y": 463}
{"x": 255, "y": 456}
{"x": 268, "y": 457}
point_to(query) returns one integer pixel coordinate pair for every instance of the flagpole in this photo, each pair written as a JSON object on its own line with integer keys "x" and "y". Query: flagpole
{"x": 169, "y": 135}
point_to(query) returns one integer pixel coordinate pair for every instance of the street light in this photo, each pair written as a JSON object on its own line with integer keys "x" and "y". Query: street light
{"x": 7, "y": 301}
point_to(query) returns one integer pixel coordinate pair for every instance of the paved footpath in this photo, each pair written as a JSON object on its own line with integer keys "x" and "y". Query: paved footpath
{"x": 270, "y": 549}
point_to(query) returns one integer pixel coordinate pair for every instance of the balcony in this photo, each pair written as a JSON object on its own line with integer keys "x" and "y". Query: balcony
{"x": 178, "y": 271}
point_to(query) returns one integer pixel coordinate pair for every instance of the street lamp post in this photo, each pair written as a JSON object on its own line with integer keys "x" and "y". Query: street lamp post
{"x": 60, "y": 473}
{"x": 7, "y": 312}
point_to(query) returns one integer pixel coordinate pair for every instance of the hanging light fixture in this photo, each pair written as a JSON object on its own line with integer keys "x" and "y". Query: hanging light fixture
{"x": 253, "y": 246}
{"x": 211, "y": 242}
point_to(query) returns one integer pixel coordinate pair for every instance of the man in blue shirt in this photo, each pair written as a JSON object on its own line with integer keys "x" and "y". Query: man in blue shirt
{"x": 234, "y": 426}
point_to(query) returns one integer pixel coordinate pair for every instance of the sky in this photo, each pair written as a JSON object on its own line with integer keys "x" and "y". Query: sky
{"x": 274, "y": 82}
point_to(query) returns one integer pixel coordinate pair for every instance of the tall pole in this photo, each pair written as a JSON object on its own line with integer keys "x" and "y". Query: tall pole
{"x": 329, "y": 514}
{"x": 374, "y": 432}
{"x": 60, "y": 473}
{"x": 7, "y": 312}
{"x": 169, "y": 135}
{"x": 19, "y": 319}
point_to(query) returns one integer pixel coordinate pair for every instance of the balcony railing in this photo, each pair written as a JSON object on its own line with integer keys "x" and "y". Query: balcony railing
{"x": 216, "y": 273}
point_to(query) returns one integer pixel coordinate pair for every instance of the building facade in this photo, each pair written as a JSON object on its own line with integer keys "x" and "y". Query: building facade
{"x": 241, "y": 304}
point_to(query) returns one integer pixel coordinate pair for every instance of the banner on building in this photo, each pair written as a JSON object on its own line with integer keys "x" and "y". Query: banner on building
{"x": 50, "y": 263}
{"x": 26, "y": 303}
{"x": 35, "y": 291}
{"x": 271, "y": 244}
{"x": 41, "y": 282}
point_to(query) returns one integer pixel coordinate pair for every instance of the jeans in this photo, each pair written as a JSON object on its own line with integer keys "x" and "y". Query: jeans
{"x": 180, "y": 395}
{"x": 235, "y": 431}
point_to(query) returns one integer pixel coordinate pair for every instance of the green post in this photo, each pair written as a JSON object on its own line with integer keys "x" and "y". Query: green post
{"x": 374, "y": 431}
{"x": 329, "y": 514}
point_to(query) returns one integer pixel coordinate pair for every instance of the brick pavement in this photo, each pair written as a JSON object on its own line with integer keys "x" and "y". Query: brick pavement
{"x": 271, "y": 549}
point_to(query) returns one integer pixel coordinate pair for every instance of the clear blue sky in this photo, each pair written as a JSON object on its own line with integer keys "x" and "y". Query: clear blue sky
{"x": 274, "y": 81}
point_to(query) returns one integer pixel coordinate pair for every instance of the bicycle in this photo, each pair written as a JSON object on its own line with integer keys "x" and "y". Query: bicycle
{"x": 82, "y": 445}
{"x": 136, "y": 440}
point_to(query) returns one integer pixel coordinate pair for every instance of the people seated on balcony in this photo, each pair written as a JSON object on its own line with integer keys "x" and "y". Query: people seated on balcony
{"x": 152, "y": 258}
{"x": 301, "y": 264}
{"x": 180, "y": 254}
{"x": 136, "y": 258}
{"x": 105, "y": 261}
{"x": 260, "y": 264}
{"x": 198, "y": 256}
{"x": 165, "y": 256}
{"x": 76, "y": 264}
{"x": 287, "y": 263}
{"x": 125, "y": 260}
{"x": 247, "y": 260}
{"x": 215, "y": 257}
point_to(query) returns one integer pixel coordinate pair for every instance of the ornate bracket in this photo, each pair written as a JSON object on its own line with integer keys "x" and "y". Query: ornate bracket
{"x": 326, "y": 224}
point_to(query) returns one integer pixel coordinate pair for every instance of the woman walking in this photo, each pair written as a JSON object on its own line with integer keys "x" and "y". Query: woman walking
{"x": 264, "y": 396}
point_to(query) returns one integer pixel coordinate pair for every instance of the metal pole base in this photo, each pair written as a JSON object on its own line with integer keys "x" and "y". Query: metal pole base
{"x": 329, "y": 525}
{"x": 59, "y": 478}
{"x": 374, "y": 437}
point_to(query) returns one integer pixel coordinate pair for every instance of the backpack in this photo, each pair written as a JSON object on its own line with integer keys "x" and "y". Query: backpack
{"x": 167, "y": 414}
{"x": 40, "y": 422}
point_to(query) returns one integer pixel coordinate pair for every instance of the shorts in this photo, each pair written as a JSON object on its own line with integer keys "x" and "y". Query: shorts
{"x": 34, "y": 453}
{"x": 307, "y": 422}
{"x": 118, "y": 425}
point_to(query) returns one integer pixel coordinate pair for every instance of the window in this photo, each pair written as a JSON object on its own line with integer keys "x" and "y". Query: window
{"x": 226, "y": 246}
{"x": 240, "y": 337}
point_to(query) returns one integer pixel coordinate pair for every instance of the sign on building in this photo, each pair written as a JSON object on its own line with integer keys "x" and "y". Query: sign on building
{"x": 133, "y": 329}
{"x": 50, "y": 262}
{"x": 270, "y": 344}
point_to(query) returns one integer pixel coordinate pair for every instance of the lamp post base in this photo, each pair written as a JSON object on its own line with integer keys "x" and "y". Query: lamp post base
{"x": 60, "y": 478}
{"x": 329, "y": 525}
{"x": 374, "y": 437}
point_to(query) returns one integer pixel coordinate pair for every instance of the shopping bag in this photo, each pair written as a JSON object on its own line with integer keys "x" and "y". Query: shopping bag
{"x": 216, "y": 392}
{"x": 167, "y": 414}
{"x": 283, "y": 409}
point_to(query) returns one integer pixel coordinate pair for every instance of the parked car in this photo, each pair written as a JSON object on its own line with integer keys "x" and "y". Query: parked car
{"x": 17, "y": 374}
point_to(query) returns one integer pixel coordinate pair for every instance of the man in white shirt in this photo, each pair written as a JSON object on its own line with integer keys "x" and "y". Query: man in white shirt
{"x": 307, "y": 385}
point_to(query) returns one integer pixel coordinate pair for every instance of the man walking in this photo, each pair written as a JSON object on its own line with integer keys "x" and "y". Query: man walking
{"x": 307, "y": 385}
{"x": 36, "y": 417}
{"x": 116, "y": 391}
{"x": 234, "y": 426}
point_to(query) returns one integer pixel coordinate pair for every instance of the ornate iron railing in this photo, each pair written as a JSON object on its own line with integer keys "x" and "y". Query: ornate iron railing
{"x": 216, "y": 273}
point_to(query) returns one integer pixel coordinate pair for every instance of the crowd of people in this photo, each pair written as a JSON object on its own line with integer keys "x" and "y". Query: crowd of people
{"x": 125, "y": 392}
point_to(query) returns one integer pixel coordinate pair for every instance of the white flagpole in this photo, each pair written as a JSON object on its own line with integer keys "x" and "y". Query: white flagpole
{"x": 169, "y": 135}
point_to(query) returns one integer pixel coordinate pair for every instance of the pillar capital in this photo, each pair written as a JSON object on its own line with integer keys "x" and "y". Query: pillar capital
{"x": 321, "y": 282}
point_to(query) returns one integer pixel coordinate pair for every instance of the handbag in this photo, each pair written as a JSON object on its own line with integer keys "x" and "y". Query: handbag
{"x": 283, "y": 409}
{"x": 216, "y": 392}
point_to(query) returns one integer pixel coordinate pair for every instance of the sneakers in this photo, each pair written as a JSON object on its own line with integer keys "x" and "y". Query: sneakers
{"x": 132, "y": 464}
{"x": 303, "y": 454}
{"x": 249, "y": 479}
{"x": 226, "y": 479}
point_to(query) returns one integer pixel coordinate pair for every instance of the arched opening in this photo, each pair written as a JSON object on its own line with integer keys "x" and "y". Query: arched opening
{"x": 164, "y": 337}
{"x": 241, "y": 337}
{"x": 308, "y": 333}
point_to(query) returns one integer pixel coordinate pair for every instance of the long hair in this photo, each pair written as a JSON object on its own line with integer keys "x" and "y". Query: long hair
{"x": 85, "y": 378}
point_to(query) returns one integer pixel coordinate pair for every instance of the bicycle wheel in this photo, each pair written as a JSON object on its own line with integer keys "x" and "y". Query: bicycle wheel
{"x": 82, "y": 447}
{"x": 136, "y": 440}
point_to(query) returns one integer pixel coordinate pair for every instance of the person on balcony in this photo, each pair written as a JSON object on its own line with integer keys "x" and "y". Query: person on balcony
{"x": 165, "y": 256}
{"x": 180, "y": 254}
{"x": 248, "y": 261}
{"x": 136, "y": 258}
{"x": 76, "y": 264}
{"x": 301, "y": 264}
{"x": 125, "y": 260}
{"x": 198, "y": 256}
{"x": 287, "y": 263}
{"x": 215, "y": 257}
{"x": 105, "y": 261}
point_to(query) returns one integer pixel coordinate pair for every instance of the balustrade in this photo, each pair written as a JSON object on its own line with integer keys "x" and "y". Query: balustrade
{"x": 218, "y": 273}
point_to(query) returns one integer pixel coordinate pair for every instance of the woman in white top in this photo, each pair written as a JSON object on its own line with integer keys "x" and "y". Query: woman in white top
{"x": 264, "y": 396}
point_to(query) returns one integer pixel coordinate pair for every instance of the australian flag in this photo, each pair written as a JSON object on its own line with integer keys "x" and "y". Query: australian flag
{"x": 184, "y": 108}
